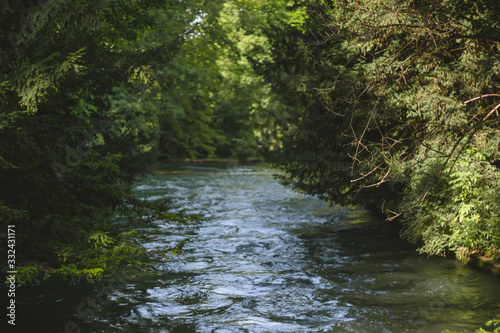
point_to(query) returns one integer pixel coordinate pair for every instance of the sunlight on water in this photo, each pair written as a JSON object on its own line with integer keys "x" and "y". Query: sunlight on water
{"x": 272, "y": 260}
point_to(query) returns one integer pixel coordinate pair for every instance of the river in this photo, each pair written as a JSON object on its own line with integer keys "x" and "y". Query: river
{"x": 268, "y": 259}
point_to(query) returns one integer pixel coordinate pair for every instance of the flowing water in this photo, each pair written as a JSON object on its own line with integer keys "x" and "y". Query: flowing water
{"x": 269, "y": 259}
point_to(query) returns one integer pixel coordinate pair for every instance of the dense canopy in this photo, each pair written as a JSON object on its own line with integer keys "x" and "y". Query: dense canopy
{"x": 390, "y": 105}
{"x": 397, "y": 109}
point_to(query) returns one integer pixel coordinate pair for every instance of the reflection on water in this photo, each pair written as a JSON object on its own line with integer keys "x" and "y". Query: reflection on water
{"x": 272, "y": 260}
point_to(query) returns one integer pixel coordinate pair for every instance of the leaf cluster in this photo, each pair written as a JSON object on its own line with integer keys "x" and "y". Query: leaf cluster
{"x": 396, "y": 109}
{"x": 78, "y": 122}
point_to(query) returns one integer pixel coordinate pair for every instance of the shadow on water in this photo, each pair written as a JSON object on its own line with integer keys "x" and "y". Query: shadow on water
{"x": 388, "y": 287}
{"x": 270, "y": 260}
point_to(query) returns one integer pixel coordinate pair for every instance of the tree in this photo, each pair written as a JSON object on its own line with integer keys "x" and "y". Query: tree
{"x": 92, "y": 92}
{"x": 215, "y": 104}
{"x": 397, "y": 112}
{"x": 75, "y": 132}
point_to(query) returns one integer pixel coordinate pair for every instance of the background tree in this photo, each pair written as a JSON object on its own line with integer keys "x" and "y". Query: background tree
{"x": 215, "y": 104}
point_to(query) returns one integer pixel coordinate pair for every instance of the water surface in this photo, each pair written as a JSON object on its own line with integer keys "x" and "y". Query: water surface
{"x": 269, "y": 259}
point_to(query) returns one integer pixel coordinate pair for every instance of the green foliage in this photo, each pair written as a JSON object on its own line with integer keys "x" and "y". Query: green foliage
{"x": 396, "y": 109}
{"x": 493, "y": 322}
{"x": 79, "y": 119}
{"x": 213, "y": 103}
{"x": 387, "y": 104}
{"x": 462, "y": 208}
{"x": 106, "y": 250}
{"x": 248, "y": 112}
{"x": 93, "y": 92}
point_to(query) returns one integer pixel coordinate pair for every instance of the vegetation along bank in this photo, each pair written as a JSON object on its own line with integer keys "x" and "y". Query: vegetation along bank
{"x": 391, "y": 105}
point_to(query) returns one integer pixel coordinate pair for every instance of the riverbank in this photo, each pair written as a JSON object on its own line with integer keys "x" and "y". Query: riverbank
{"x": 486, "y": 264}
{"x": 210, "y": 161}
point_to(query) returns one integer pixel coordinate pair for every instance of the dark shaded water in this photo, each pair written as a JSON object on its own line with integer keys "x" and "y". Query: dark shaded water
{"x": 269, "y": 260}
